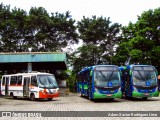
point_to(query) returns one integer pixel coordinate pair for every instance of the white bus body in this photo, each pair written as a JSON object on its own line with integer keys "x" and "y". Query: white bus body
{"x": 30, "y": 85}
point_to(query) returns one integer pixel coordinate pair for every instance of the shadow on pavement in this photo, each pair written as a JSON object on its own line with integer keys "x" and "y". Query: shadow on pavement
{"x": 140, "y": 99}
{"x": 102, "y": 100}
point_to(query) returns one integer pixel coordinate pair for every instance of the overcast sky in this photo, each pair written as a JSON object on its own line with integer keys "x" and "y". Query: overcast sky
{"x": 121, "y": 11}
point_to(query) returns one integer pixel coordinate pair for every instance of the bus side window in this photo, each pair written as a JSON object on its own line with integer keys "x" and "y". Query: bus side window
{"x": 19, "y": 80}
{"x": 33, "y": 81}
{"x": 3, "y": 82}
{"x": 13, "y": 80}
{"x": 88, "y": 76}
{"x": 85, "y": 77}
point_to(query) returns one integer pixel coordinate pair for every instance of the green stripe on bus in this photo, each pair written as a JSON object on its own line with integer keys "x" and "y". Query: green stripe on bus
{"x": 115, "y": 95}
{"x": 85, "y": 87}
{"x": 139, "y": 95}
{"x": 80, "y": 86}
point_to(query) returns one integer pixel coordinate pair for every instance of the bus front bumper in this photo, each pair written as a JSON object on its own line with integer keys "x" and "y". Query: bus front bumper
{"x": 140, "y": 95}
{"x": 43, "y": 95}
{"x": 101, "y": 96}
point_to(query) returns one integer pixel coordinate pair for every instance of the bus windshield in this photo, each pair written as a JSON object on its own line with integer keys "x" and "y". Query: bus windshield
{"x": 106, "y": 78}
{"x": 144, "y": 77}
{"x": 47, "y": 81}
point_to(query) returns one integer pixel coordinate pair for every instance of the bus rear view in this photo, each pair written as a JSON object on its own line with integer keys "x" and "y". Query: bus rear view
{"x": 140, "y": 81}
{"x": 103, "y": 82}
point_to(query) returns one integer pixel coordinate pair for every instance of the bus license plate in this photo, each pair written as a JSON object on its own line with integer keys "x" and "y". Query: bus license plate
{"x": 146, "y": 94}
{"x": 109, "y": 95}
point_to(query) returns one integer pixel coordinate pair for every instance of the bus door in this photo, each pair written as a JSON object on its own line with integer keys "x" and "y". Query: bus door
{"x": 26, "y": 86}
{"x": 7, "y": 86}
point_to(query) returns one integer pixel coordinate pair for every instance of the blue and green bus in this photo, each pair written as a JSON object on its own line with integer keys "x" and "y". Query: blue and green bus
{"x": 100, "y": 81}
{"x": 139, "y": 81}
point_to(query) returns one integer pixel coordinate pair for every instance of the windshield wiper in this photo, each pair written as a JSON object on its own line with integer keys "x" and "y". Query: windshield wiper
{"x": 103, "y": 75}
{"x": 110, "y": 76}
{"x": 41, "y": 83}
{"x": 141, "y": 76}
{"x": 147, "y": 75}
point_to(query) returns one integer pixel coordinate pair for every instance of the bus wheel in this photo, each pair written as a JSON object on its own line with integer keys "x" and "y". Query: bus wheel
{"x": 49, "y": 99}
{"x": 32, "y": 97}
{"x": 81, "y": 95}
{"x": 89, "y": 97}
{"x": 144, "y": 98}
{"x": 11, "y": 96}
{"x": 111, "y": 99}
{"x": 123, "y": 95}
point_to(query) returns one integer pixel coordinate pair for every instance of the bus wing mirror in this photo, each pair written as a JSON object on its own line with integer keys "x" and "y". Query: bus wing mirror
{"x": 91, "y": 73}
{"x": 130, "y": 72}
{"x": 156, "y": 72}
{"x": 120, "y": 73}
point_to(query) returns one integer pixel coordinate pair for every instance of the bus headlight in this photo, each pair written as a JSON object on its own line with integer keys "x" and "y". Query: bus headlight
{"x": 119, "y": 89}
{"x": 156, "y": 89}
{"x": 135, "y": 89}
{"x": 58, "y": 90}
{"x": 96, "y": 90}
{"x": 55, "y": 90}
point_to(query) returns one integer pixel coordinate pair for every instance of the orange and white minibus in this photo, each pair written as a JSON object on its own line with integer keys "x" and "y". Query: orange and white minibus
{"x": 30, "y": 85}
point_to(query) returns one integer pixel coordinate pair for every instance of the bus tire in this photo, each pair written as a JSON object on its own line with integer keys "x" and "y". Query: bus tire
{"x": 11, "y": 95}
{"x": 123, "y": 95}
{"x": 145, "y": 98}
{"x": 81, "y": 95}
{"x": 49, "y": 99}
{"x": 89, "y": 97}
{"x": 111, "y": 99}
{"x": 32, "y": 97}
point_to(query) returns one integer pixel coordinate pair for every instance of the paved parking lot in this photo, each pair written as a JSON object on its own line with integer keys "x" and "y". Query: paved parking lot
{"x": 73, "y": 102}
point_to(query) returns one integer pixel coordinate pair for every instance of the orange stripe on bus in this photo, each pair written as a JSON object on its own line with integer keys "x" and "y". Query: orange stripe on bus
{"x": 16, "y": 85}
{"x": 43, "y": 95}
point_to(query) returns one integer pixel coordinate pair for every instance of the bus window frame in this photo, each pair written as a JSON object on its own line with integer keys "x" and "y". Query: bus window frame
{"x": 36, "y": 84}
{"x": 12, "y": 80}
{"x": 18, "y": 80}
{"x": 4, "y": 80}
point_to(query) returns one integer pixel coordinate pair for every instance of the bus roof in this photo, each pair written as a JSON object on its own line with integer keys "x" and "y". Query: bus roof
{"x": 92, "y": 67}
{"x": 37, "y": 73}
{"x": 131, "y": 66}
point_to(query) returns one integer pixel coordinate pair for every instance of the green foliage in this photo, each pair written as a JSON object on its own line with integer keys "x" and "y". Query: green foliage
{"x": 93, "y": 30}
{"x": 71, "y": 81}
{"x": 104, "y": 42}
{"x": 122, "y": 54}
{"x": 142, "y": 39}
{"x": 99, "y": 37}
{"x": 136, "y": 55}
{"x": 39, "y": 30}
{"x": 86, "y": 55}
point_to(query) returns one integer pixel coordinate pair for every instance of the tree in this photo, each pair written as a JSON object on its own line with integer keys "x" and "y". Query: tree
{"x": 71, "y": 80}
{"x": 19, "y": 21}
{"x": 143, "y": 38}
{"x": 99, "y": 32}
{"x": 122, "y": 54}
{"x": 62, "y": 31}
{"x": 83, "y": 57}
{"x": 51, "y": 33}
{"x": 38, "y": 30}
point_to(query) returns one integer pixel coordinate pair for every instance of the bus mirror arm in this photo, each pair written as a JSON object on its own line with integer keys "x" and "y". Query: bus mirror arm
{"x": 156, "y": 72}
{"x": 130, "y": 72}
{"x": 91, "y": 73}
